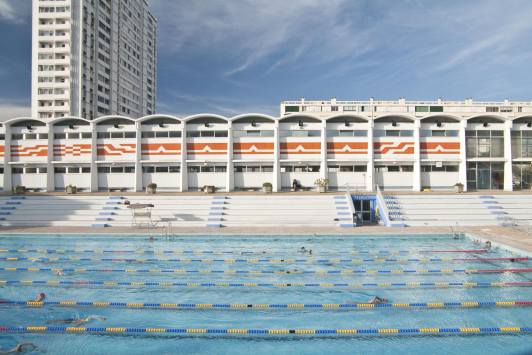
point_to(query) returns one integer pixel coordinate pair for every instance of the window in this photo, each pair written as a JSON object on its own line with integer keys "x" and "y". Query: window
{"x": 422, "y": 109}
{"x": 43, "y": 170}
{"x": 193, "y": 134}
{"x": 86, "y": 135}
{"x": 16, "y": 136}
{"x": 30, "y": 136}
{"x": 193, "y": 169}
{"x": 117, "y": 134}
{"x": 161, "y": 169}
{"x": 267, "y": 169}
{"x": 350, "y": 108}
{"x": 117, "y": 169}
{"x": 220, "y": 169}
{"x": 73, "y": 135}
{"x": 129, "y": 169}
{"x": 207, "y": 169}
{"x": 104, "y": 170}
{"x": 30, "y": 171}
{"x": 130, "y": 134}
{"x": 73, "y": 170}
{"x": 60, "y": 170}
{"x": 436, "y": 109}
{"x": 291, "y": 109}
{"x": 103, "y": 135}
{"x": 148, "y": 135}
{"x": 174, "y": 169}
{"x": 361, "y": 168}
{"x": 86, "y": 170}
{"x": 484, "y": 144}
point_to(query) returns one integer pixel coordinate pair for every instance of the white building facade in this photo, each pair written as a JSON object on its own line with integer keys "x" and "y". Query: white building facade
{"x": 93, "y": 58}
{"x": 485, "y": 146}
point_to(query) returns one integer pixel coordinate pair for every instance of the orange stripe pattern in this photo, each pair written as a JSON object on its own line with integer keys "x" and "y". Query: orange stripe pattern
{"x": 253, "y": 148}
{"x": 290, "y": 148}
{"x": 206, "y": 148}
{"x": 347, "y": 148}
{"x": 36, "y": 151}
{"x": 161, "y": 148}
{"x": 393, "y": 148}
{"x": 76, "y": 150}
{"x": 2, "y": 150}
{"x": 439, "y": 148}
{"x": 116, "y": 149}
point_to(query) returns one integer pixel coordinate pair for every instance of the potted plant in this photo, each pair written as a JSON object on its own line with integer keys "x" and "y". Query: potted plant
{"x": 267, "y": 188}
{"x": 208, "y": 189}
{"x": 459, "y": 187}
{"x": 19, "y": 189}
{"x": 151, "y": 188}
{"x": 321, "y": 183}
{"x": 70, "y": 189}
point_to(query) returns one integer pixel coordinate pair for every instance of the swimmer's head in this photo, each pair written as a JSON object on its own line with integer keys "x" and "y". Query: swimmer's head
{"x": 385, "y": 300}
{"x": 41, "y": 295}
{"x": 512, "y": 260}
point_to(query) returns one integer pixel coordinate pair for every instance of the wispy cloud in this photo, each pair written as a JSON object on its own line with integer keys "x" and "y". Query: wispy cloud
{"x": 12, "y": 109}
{"x": 10, "y": 13}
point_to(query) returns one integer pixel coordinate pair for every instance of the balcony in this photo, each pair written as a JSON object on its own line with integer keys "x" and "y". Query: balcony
{"x": 61, "y": 49}
{"x": 64, "y": 108}
{"x": 62, "y": 73}
{"x": 61, "y": 61}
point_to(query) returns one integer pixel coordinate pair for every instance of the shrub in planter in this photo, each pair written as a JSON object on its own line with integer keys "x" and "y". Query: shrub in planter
{"x": 267, "y": 188}
{"x": 458, "y": 187}
{"x": 19, "y": 189}
{"x": 71, "y": 189}
{"x": 151, "y": 188}
{"x": 321, "y": 184}
{"x": 209, "y": 189}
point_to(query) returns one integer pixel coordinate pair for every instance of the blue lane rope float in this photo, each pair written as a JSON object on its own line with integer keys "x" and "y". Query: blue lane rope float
{"x": 234, "y": 252}
{"x": 276, "y": 306}
{"x": 423, "y": 284}
{"x": 262, "y": 260}
{"x": 272, "y": 272}
{"x": 409, "y": 331}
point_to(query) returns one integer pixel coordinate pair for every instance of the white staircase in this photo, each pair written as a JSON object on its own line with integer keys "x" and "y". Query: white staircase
{"x": 188, "y": 211}
{"x": 466, "y": 210}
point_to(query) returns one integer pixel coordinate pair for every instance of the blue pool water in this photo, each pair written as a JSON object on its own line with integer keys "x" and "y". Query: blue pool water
{"x": 286, "y": 247}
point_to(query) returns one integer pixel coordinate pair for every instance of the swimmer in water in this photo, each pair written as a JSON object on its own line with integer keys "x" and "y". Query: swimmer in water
{"x": 476, "y": 241}
{"x": 42, "y": 296}
{"x": 17, "y": 349}
{"x": 310, "y": 252}
{"x": 303, "y": 250}
{"x": 61, "y": 273}
{"x": 375, "y": 300}
{"x": 388, "y": 258}
{"x": 75, "y": 321}
{"x": 487, "y": 244}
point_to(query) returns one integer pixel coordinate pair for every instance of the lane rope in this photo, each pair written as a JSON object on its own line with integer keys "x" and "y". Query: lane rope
{"x": 271, "y": 272}
{"x": 261, "y": 260}
{"x": 271, "y": 331}
{"x": 423, "y": 284}
{"x": 221, "y": 305}
{"x": 234, "y": 252}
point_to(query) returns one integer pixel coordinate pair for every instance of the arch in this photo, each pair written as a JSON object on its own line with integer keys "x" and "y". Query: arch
{"x": 349, "y": 117}
{"x": 396, "y": 117}
{"x": 70, "y": 120}
{"x": 253, "y": 117}
{"x": 116, "y": 119}
{"x": 442, "y": 118}
{"x": 158, "y": 119}
{"x": 26, "y": 121}
{"x": 206, "y": 118}
{"x": 487, "y": 118}
{"x": 296, "y": 117}
{"x": 523, "y": 119}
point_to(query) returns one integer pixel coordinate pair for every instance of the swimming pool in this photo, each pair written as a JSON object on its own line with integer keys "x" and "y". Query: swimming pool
{"x": 195, "y": 291}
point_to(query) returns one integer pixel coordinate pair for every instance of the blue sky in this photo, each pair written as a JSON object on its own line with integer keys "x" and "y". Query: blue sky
{"x": 233, "y": 57}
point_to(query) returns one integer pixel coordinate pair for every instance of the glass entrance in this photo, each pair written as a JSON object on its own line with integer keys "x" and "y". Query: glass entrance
{"x": 485, "y": 176}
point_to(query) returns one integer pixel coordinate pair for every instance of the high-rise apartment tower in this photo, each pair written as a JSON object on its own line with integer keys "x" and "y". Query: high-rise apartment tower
{"x": 92, "y": 58}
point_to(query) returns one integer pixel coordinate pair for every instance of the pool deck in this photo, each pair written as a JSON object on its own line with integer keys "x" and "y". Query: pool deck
{"x": 511, "y": 237}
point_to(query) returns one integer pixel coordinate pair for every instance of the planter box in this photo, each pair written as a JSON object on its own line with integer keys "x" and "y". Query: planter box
{"x": 151, "y": 190}
{"x": 267, "y": 190}
{"x": 209, "y": 189}
{"x": 19, "y": 190}
{"x": 71, "y": 189}
{"x": 459, "y": 189}
{"x": 322, "y": 189}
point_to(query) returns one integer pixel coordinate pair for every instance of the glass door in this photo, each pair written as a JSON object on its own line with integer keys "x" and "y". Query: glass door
{"x": 483, "y": 176}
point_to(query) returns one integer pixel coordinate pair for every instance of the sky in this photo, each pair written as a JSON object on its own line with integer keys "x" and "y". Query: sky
{"x": 247, "y": 56}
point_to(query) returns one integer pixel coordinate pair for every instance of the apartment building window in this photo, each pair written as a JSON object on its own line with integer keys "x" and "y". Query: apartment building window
{"x": 521, "y": 144}
{"x": 485, "y": 144}
{"x": 161, "y": 169}
{"x": 45, "y": 91}
{"x": 492, "y": 109}
{"x": 347, "y": 133}
{"x": 347, "y": 168}
{"x": 45, "y": 68}
{"x": 62, "y": 9}
{"x": 257, "y": 133}
{"x": 45, "y": 79}
{"x": 300, "y": 133}
{"x": 350, "y": 108}
{"x": 434, "y": 168}
{"x": 46, "y": 9}
{"x": 507, "y": 109}
{"x": 291, "y": 109}
{"x": 393, "y": 133}
{"x": 300, "y": 168}
{"x": 334, "y": 108}
{"x": 103, "y": 100}
{"x": 422, "y": 109}
{"x": 436, "y": 108}
{"x": 439, "y": 133}
{"x": 394, "y": 168}
{"x": 366, "y": 109}
{"x": 46, "y": 56}
{"x": 197, "y": 134}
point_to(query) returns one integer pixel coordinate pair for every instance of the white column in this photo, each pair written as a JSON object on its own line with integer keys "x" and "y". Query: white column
{"x": 183, "y": 175}
{"x": 230, "y": 181}
{"x": 138, "y": 156}
{"x": 370, "y": 172}
{"x": 462, "y": 169}
{"x": 508, "y": 178}
{"x": 8, "y": 182}
{"x": 276, "y": 185}
{"x": 416, "y": 183}
{"x": 50, "y": 172}
{"x": 323, "y": 169}
{"x": 94, "y": 157}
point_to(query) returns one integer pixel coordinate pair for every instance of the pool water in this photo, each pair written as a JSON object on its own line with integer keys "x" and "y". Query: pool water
{"x": 325, "y": 248}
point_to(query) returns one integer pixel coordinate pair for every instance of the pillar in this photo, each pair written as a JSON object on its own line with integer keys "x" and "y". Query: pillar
{"x": 369, "y": 175}
{"x": 94, "y": 157}
{"x": 276, "y": 184}
{"x": 508, "y": 178}
{"x": 138, "y": 156}
{"x": 8, "y": 181}
{"x": 416, "y": 183}
{"x": 462, "y": 168}
{"x": 50, "y": 171}
{"x": 230, "y": 177}
{"x": 184, "y": 170}
{"x": 323, "y": 168}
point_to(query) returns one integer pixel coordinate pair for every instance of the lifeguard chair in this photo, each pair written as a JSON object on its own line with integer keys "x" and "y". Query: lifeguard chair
{"x": 141, "y": 214}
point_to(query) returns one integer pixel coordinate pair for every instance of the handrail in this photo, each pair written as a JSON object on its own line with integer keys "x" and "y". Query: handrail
{"x": 383, "y": 207}
{"x": 351, "y": 205}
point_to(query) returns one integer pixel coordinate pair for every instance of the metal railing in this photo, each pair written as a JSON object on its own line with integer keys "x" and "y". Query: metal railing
{"x": 384, "y": 208}
{"x": 519, "y": 224}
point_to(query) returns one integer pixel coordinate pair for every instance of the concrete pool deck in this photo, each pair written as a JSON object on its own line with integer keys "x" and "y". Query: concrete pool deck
{"x": 511, "y": 237}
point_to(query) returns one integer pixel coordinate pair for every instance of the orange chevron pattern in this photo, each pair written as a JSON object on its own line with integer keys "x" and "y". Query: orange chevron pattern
{"x": 300, "y": 148}
{"x": 76, "y": 150}
{"x": 161, "y": 148}
{"x": 439, "y": 148}
{"x": 36, "y": 151}
{"x": 393, "y": 148}
{"x": 206, "y": 148}
{"x": 253, "y": 148}
{"x": 2, "y": 150}
{"x": 347, "y": 148}
{"x": 116, "y": 149}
